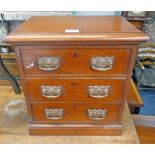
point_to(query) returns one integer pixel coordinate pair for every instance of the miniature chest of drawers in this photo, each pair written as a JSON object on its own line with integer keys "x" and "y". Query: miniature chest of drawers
{"x": 75, "y": 72}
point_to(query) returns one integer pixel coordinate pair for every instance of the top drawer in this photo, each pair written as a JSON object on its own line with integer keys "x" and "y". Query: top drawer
{"x": 76, "y": 61}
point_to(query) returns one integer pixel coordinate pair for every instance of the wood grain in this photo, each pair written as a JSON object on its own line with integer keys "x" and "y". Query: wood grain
{"x": 47, "y": 29}
{"x": 134, "y": 98}
{"x": 76, "y": 61}
{"x": 75, "y": 113}
{"x": 75, "y": 89}
{"x": 76, "y": 130}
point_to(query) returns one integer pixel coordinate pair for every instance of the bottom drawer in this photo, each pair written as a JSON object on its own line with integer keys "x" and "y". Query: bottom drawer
{"x": 70, "y": 113}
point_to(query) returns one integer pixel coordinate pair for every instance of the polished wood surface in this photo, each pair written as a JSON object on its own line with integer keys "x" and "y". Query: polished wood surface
{"x": 57, "y": 24}
{"x": 106, "y": 36}
{"x": 75, "y": 89}
{"x": 75, "y": 113}
{"x": 77, "y": 61}
{"x": 138, "y": 24}
{"x": 45, "y": 29}
{"x": 134, "y": 98}
{"x": 76, "y": 130}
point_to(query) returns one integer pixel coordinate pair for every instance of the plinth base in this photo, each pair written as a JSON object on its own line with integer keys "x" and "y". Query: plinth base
{"x": 76, "y": 130}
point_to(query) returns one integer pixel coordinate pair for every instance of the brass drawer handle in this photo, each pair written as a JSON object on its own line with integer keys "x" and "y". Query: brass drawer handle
{"x": 49, "y": 63}
{"x": 102, "y": 63}
{"x": 98, "y": 91}
{"x": 51, "y": 91}
{"x": 54, "y": 113}
{"x": 97, "y": 114}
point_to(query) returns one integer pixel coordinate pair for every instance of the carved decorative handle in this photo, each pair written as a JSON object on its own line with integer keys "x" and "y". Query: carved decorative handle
{"x": 102, "y": 63}
{"x": 51, "y": 91}
{"x": 97, "y": 114}
{"x": 49, "y": 63}
{"x": 54, "y": 113}
{"x": 98, "y": 91}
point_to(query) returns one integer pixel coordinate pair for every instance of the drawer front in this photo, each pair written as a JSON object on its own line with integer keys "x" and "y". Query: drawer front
{"x": 75, "y": 113}
{"x": 69, "y": 61}
{"x": 98, "y": 90}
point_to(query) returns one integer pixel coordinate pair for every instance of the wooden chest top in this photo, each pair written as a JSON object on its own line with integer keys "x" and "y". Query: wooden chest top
{"x": 71, "y": 28}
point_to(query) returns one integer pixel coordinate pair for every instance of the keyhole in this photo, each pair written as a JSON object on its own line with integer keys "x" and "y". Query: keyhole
{"x": 75, "y": 55}
{"x": 74, "y": 83}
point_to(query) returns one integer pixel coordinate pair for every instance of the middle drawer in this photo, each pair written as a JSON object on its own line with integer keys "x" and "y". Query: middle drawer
{"x": 100, "y": 90}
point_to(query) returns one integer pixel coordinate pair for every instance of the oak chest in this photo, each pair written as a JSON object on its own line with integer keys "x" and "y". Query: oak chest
{"x": 75, "y": 72}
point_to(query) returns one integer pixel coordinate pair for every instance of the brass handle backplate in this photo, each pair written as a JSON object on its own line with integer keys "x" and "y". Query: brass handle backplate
{"x": 102, "y": 63}
{"x": 98, "y": 91}
{"x": 54, "y": 113}
{"x": 49, "y": 63}
{"x": 51, "y": 91}
{"x": 97, "y": 114}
